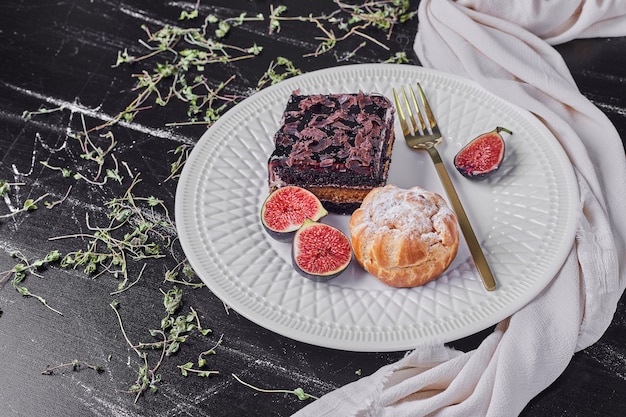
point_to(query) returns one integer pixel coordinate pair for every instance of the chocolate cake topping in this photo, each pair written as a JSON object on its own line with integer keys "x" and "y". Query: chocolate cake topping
{"x": 319, "y": 128}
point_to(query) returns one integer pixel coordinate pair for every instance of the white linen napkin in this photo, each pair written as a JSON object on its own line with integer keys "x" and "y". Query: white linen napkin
{"x": 505, "y": 47}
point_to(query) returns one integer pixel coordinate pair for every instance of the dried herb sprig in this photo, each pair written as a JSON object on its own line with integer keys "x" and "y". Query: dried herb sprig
{"x": 201, "y": 363}
{"x": 147, "y": 378}
{"x": 51, "y": 204}
{"x": 175, "y": 167}
{"x": 224, "y": 25}
{"x": 398, "y": 58}
{"x": 188, "y": 368}
{"x": 23, "y": 268}
{"x": 175, "y": 329}
{"x": 27, "y": 115}
{"x": 93, "y": 151}
{"x": 76, "y": 366}
{"x": 171, "y": 275}
{"x": 28, "y": 204}
{"x": 97, "y": 154}
{"x": 184, "y": 14}
{"x": 298, "y": 392}
{"x": 278, "y": 70}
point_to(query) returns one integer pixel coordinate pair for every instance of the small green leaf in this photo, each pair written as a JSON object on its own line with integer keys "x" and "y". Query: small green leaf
{"x": 188, "y": 270}
{"x": 188, "y": 15}
{"x": 153, "y": 201}
{"x": 52, "y": 256}
{"x": 23, "y": 290}
{"x": 30, "y": 204}
{"x": 19, "y": 277}
{"x": 222, "y": 30}
{"x": 255, "y": 49}
{"x": 114, "y": 175}
{"x": 67, "y": 261}
{"x": 172, "y": 348}
{"x": 172, "y": 300}
{"x": 166, "y": 323}
{"x": 301, "y": 394}
{"x": 91, "y": 268}
{"x": 4, "y": 187}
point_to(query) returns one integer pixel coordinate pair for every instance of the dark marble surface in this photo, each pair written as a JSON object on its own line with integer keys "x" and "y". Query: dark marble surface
{"x": 62, "y": 54}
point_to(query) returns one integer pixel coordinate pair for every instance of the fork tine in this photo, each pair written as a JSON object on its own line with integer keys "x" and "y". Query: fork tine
{"x": 429, "y": 114}
{"x": 418, "y": 111}
{"x": 403, "y": 123}
{"x": 410, "y": 111}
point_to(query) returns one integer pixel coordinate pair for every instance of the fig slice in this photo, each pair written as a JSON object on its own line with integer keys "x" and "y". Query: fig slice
{"x": 320, "y": 252}
{"x": 285, "y": 209}
{"x": 483, "y": 155}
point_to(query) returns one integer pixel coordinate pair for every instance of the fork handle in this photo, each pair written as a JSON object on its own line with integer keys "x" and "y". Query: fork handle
{"x": 474, "y": 247}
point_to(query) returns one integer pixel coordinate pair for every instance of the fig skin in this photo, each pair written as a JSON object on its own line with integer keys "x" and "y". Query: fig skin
{"x": 481, "y": 149}
{"x": 331, "y": 246}
{"x": 296, "y": 204}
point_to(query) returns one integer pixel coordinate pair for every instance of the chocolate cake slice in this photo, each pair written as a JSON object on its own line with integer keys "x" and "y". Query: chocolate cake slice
{"x": 338, "y": 146}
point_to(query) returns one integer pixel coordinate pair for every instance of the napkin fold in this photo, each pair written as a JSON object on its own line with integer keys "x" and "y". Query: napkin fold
{"x": 505, "y": 47}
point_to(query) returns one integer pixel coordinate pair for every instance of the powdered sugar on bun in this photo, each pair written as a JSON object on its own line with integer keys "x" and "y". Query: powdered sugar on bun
{"x": 404, "y": 237}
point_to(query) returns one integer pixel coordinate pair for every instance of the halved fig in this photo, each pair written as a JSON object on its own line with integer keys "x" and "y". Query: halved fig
{"x": 483, "y": 155}
{"x": 320, "y": 252}
{"x": 284, "y": 211}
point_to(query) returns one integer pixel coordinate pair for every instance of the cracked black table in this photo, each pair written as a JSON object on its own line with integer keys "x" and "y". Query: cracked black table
{"x": 70, "y": 335}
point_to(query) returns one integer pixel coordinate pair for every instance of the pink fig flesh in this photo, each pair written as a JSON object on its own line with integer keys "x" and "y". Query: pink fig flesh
{"x": 285, "y": 210}
{"x": 320, "y": 252}
{"x": 483, "y": 155}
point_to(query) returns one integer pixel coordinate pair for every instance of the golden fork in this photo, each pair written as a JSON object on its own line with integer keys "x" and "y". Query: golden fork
{"x": 426, "y": 137}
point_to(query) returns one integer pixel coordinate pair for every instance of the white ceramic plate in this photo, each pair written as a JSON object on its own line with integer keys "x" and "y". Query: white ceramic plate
{"x": 523, "y": 215}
